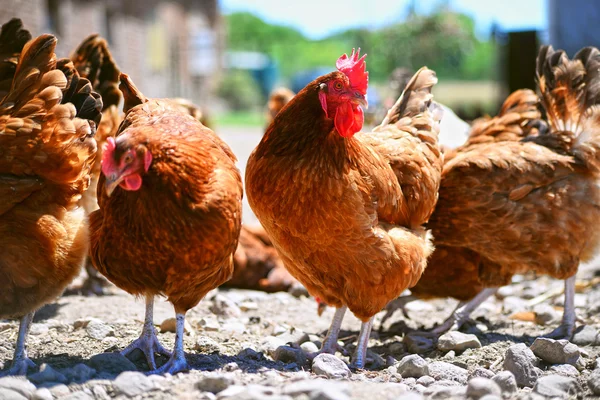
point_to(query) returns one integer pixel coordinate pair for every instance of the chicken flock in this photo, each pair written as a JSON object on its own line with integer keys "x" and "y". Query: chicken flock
{"x": 151, "y": 198}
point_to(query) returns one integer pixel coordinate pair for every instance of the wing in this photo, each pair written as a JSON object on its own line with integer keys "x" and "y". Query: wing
{"x": 12, "y": 39}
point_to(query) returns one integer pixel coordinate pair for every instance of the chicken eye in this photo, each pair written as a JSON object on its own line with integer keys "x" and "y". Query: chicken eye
{"x": 128, "y": 159}
{"x": 338, "y": 85}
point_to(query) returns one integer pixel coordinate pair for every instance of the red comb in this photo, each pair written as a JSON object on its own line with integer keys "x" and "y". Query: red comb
{"x": 354, "y": 68}
{"x": 108, "y": 162}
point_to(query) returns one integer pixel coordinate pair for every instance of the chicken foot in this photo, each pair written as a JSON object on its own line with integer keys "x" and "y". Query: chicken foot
{"x": 177, "y": 362}
{"x": 567, "y": 327}
{"x": 21, "y": 362}
{"x": 397, "y": 304}
{"x": 330, "y": 344}
{"x": 360, "y": 354}
{"x": 148, "y": 342}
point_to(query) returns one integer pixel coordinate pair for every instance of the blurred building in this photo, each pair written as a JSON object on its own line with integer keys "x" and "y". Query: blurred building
{"x": 169, "y": 48}
{"x": 574, "y": 24}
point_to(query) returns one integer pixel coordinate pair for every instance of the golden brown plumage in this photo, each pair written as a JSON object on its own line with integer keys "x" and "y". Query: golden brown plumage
{"x": 525, "y": 199}
{"x": 47, "y": 122}
{"x": 170, "y": 210}
{"x": 345, "y": 213}
{"x": 277, "y": 99}
{"x": 12, "y": 39}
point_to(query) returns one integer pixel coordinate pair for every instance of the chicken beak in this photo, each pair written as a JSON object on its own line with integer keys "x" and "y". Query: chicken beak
{"x": 111, "y": 184}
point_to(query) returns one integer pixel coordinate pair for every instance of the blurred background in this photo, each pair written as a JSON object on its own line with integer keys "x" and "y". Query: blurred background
{"x": 227, "y": 55}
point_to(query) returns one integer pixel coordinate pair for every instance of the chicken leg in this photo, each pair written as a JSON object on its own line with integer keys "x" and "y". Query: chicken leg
{"x": 177, "y": 362}
{"x": 360, "y": 354}
{"x": 330, "y": 345}
{"x": 21, "y": 362}
{"x": 148, "y": 342}
{"x": 567, "y": 327}
{"x": 397, "y": 304}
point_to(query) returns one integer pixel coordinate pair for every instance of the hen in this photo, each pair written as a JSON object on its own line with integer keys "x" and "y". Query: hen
{"x": 170, "y": 201}
{"x": 522, "y": 194}
{"x": 345, "y": 210}
{"x": 47, "y": 122}
{"x": 93, "y": 61}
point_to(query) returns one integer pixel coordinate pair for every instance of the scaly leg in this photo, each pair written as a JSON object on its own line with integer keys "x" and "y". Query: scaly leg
{"x": 330, "y": 345}
{"x": 360, "y": 354}
{"x": 567, "y": 327}
{"x": 460, "y": 314}
{"x": 21, "y": 362}
{"x": 397, "y": 304}
{"x": 177, "y": 362}
{"x": 148, "y": 342}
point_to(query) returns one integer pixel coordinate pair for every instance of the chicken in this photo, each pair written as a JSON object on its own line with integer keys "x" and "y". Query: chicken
{"x": 170, "y": 200}
{"x": 12, "y": 39}
{"x": 93, "y": 61}
{"x": 345, "y": 210}
{"x": 47, "y": 123}
{"x": 278, "y": 98}
{"x": 522, "y": 194}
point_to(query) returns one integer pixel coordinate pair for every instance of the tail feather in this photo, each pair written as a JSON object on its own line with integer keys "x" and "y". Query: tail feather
{"x": 12, "y": 39}
{"x": 47, "y": 120}
{"x": 93, "y": 61}
{"x": 131, "y": 93}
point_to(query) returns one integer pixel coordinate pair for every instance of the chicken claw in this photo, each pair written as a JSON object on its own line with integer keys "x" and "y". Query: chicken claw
{"x": 566, "y": 330}
{"x": 397, "y": 304}
{"x": 147, "y": 342}
{"x": 21, "y": 363}
{"x": 177, "y": 362}
{"x": 330, "y": 344}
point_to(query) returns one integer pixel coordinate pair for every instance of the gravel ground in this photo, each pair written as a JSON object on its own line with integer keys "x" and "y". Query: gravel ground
{"x": 251, "y": 345}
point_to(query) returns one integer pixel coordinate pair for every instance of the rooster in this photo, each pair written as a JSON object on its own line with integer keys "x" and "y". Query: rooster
{"x": 170, "y": 200}
{"x": 47, "y": 122}
{"x": 522, "y": 194}
{"x": 344, "y": 210}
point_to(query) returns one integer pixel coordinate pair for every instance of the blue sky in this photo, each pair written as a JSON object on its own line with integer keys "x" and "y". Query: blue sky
{"x": 318, "y": 18}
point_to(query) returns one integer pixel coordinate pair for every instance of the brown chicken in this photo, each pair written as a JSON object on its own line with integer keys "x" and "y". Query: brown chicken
{"x": 47, "y": 123}
{"x": 345, "y": 210}
{"x": 170, "y": 201}
{"x": 12, "y": 39}
{"x": 278, "y": 98}
{"x": 93, "y": 61}
{"x": 523, "y": 195}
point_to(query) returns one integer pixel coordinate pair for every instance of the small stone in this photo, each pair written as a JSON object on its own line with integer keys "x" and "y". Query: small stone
{"x": 442, "y": 392}
{"x": 556, "y": 386}
{"x": 594, "y": 382}
{"x": 248, "y": 305}
{"x": 97, "y": 329}
{"x": 479, "y": 387}
{"x": 417, "y": 344}
{"x": 224, "y": 307}
{"x": 250, "y": 354}
{"x": 100, "y": 393}
{"x": 288, "y": 354}
{"x": 47, "y": 374}
{"x": 59, "y": 391}
{"x": 521, "y": 361}
{"x": 207, "y": 345}
{"x": 545, "y": 314}
{"x": 481, "y": 372}
{"x": 214, "y": 384}
{"x": 270, "y": 344}
{"x": 330, "y": 366}
{"x": 458, "y": 341}
{"x": 170, "y": 325}
{"x": 412, "y": 366}
{"x": 319, "y": 389}
{"x": 449, "y": 355}
{"x": 230, "y": 367}
{"x": 505, "y": 291}
{"x": 440, "y": 370}
{"x": 109, "y": 342}
{"x": 564, "y": 370}
{"x": 555, "y": 351}
{"x": 38, "y": 329}
{"x": 132, "y": 383}
{"x": 209, "y": 324}
{"x": 513, "y": 304}
{"x": 78, "y": 395}
{"x": 79, "y": 373}
{"x": 233, "y": 326}
{"x": 7, "y": 394}
{"x": 309, "y": 347}
{"x": 113, "y": 363}
{"x": 294, "y": 336}
{"x": 41, "y": 394}
{"x": 586, "y": 336}
{"x": 279, "y": 330}
{"x": 426, "y": 380}
{"x": 17, "y": 385}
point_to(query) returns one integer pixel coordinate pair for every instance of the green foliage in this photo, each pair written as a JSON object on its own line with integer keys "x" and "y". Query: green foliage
{"x": 239, "y": 90}
{"x": 444, "y": 41}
